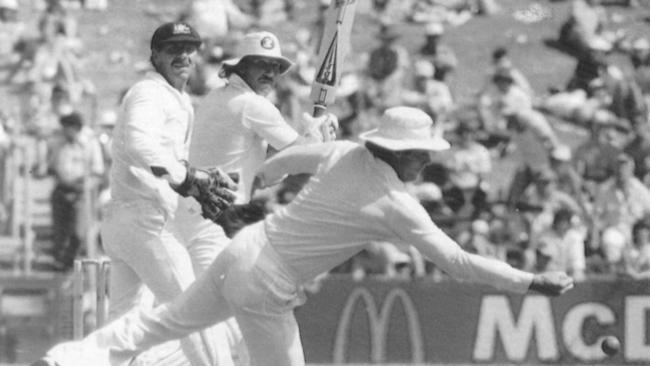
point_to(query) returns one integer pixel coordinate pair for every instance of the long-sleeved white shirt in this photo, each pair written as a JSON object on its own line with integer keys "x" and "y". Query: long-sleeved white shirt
{"x": 153, "y": 130}
{"x": 234, "y": 127}
{"x": 354, "y": 199}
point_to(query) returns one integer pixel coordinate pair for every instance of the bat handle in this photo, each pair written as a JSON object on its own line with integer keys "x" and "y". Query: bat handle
{"x": 319, "y": 110}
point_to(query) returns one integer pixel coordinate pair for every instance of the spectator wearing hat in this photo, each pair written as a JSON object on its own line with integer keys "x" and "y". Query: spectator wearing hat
{"x": 438, "y": 53}
{"x": 503, "y": 100}
{"x": 385, "y": 70}
{"x": 470, "y": 165}
{"x": 431, "y": 95}
{"x": 76, "y": 163}
{"x": 501, "y": 60}
{"x": 139, "y": 229}
{"x": 259, "y": 277}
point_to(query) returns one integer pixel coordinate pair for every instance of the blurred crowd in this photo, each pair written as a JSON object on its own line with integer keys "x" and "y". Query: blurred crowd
{"x": 518, "y": 184}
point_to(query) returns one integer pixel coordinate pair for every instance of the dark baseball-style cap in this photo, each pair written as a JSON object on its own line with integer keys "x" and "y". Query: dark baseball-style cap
{"x": 174, "y": 32}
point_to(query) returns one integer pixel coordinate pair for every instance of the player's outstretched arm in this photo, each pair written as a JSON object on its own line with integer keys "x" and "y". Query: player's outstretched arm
{"x": 551, "y": 283}
{"x": 300, "y": 159}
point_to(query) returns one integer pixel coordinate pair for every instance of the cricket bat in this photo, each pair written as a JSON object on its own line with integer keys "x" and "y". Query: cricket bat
{"x": 334, "y": 47}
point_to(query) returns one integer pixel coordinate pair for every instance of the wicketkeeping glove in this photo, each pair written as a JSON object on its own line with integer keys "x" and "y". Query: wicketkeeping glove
{"x": 212, "y": 189}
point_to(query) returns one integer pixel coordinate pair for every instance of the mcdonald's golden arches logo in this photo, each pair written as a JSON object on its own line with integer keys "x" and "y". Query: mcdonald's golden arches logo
{"x": 378, "y": 320}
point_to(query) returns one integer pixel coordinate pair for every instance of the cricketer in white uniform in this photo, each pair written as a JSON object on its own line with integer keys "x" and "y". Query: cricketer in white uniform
{"x": 234, "y": 127}
{"x": 138, "y": 231}
{"x": 356, "y": 196}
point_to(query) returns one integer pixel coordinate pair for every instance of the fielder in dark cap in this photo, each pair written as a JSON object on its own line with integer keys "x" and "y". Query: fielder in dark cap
{"x": 174, "y": 33}
{"x": 173, "y": 52}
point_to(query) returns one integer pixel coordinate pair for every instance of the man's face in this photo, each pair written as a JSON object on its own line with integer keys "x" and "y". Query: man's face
{"x": 410, "y": 162}
{"x": 503, "y": 85}
{"x": 71, "y": 132}
{"x": 599, "y": 57}
{"x": 624, "y": 171}
{"x": 175, "y": 61}
{"x": 260, "y": 73}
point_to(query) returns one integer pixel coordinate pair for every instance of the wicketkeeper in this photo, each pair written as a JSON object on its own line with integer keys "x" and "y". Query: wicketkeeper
{"x": 148, "y": 176}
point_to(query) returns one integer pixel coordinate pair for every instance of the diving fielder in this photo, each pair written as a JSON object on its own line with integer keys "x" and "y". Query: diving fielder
{"x": 258, "y": 278}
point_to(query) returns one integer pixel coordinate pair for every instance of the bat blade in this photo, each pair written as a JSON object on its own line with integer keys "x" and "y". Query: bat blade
{"x": 334, "y": 48}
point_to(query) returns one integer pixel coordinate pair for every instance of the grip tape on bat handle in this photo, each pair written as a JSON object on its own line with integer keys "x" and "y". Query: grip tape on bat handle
{"x": 319, "y": 110}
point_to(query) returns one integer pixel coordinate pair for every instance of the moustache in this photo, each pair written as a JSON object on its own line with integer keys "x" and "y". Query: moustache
{"x": 182, "y": 62}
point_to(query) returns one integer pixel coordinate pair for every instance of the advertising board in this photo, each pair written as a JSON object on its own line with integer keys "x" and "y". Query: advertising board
{"x": 450, "y": 322}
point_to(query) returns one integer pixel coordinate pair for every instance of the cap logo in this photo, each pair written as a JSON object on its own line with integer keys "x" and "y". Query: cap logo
{"x": 268, "y": 43}
{"x": 181, "y": 29}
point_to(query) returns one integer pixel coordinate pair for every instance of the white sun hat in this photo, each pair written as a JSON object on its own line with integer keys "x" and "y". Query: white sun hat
{"x": 260, "y": 44}
{"x": 406, "y": 128}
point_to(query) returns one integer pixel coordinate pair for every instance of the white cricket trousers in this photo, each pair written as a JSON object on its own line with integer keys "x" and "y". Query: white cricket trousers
{"x": 147, "y": 251}
{"x": 247, "y": 280}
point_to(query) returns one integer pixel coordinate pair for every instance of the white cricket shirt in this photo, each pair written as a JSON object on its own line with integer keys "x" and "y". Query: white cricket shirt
{"x": 354, "y": 199}
{"x": 153, "y": 130}
{"x": 233, "y": 129}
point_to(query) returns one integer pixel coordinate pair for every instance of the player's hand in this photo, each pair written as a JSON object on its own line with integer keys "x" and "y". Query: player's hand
{"x": 212, "y": 189}
{"x": 551, "y": 283}
{"x": 329, "y": 127}
{"x": 321, "y": 128}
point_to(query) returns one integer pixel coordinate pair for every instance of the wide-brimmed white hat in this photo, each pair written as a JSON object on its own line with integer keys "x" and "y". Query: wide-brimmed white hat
{"x": 260, "y": 44}
{"x": 406, "y": 128}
